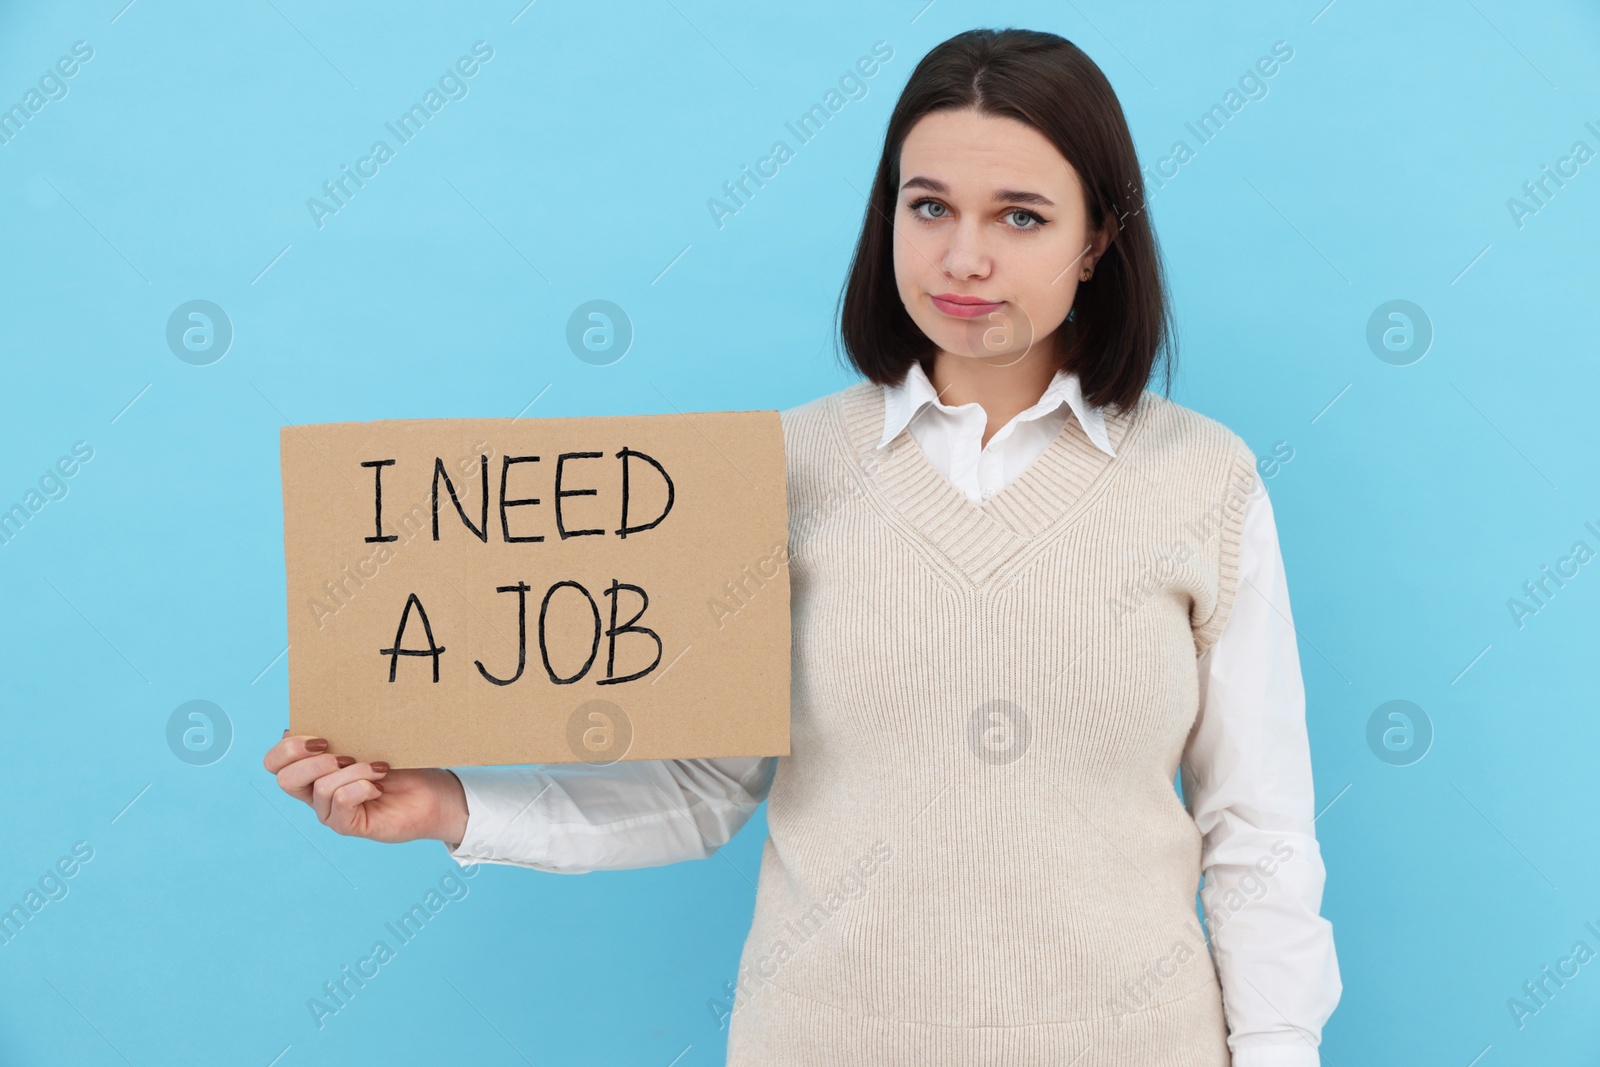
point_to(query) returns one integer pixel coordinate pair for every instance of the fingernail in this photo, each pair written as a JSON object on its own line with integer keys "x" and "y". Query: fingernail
{"x": 380, "y": 766}
{"x": 317, "y": 744}
{"x": 345, "y": 761}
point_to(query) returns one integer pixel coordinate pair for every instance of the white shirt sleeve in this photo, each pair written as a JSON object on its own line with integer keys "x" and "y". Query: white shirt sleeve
{"x": 575, "y": 818}
{"x": 1247, "y": 780}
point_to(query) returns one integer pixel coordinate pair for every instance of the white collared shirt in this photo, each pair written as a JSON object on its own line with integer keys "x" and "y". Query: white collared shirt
{"x": 951, "y": 437}
{"x": 1246, "y": 772}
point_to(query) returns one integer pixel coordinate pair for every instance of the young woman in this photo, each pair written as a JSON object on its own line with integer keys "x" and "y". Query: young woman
{"x": 1029, "y": 595}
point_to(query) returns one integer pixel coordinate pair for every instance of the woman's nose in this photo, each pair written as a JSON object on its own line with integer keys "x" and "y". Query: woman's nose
{"x": 967, "y": 254}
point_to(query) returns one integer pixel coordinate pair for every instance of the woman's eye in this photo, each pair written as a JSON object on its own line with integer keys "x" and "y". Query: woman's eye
{"x": 1019, "y": 218}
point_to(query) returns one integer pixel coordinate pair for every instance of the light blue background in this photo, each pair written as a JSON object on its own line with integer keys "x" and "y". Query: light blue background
{"x": 178, "y": 166}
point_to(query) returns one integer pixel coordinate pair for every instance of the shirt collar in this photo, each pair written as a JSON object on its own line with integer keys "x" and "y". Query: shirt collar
{"x": 902, "y": 402}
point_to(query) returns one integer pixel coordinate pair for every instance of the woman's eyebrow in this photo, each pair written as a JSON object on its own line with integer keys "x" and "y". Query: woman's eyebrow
{"x": 1001, "y": 196}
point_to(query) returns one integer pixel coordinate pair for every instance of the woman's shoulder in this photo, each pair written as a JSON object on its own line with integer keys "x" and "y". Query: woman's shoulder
{"x": 822, "y": 415}
{"x": 817, "y": 434}
{"x": 817, "y": 407}
{"x": 1170, "y": 425}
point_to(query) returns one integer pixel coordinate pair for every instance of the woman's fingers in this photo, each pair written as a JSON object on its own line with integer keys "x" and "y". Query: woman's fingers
{"x": 326, "y": 785}
{"x": 345, "y": 814}
{"x": 334, "y": 785}
{"x": 293, "y": 748}
{"x": 299, "y": 779}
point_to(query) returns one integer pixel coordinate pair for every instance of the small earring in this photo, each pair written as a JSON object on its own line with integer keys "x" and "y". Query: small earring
{"x": 1072, "y": 313}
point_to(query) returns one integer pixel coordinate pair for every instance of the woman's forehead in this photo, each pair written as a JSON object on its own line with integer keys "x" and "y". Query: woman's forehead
{"x": 968, "y": 155}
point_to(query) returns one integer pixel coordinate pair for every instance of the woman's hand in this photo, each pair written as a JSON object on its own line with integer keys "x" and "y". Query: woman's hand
{"x": 368, "y": 799}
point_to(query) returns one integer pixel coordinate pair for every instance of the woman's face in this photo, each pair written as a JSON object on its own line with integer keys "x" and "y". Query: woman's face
{"x": 988, "y": 209}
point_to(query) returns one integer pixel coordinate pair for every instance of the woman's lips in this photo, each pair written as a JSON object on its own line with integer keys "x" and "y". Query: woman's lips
{"x": 964, "y": 310}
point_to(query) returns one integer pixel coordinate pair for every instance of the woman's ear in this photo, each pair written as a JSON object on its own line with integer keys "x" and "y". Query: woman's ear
{"x": 1102, "y": 241}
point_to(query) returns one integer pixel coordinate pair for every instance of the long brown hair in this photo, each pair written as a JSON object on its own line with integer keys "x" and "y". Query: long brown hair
{"x": 1121, "y": 324}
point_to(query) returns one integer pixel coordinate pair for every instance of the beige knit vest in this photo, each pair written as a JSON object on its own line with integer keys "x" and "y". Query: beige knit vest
{"x": 976, "y": 854}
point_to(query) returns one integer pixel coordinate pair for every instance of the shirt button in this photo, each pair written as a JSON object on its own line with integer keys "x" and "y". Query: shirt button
{"x": 987, "y": 493}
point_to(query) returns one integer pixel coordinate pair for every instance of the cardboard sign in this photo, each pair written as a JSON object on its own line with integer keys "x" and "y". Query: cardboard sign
{"x": 501, "y": 591}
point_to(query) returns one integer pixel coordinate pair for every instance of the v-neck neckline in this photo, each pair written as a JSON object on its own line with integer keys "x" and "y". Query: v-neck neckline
{"x": 978, "y": 540}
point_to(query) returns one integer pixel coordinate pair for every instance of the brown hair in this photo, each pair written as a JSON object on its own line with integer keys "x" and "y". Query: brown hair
{"x": 1121, "y": 321}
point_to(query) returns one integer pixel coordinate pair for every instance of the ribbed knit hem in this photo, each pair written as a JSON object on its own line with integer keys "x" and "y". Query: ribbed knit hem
{"x": 1234, "y": 501}
{"x": 777, "y": 1028}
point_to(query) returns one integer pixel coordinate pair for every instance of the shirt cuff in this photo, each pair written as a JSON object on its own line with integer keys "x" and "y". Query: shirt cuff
{"x": 462, "y": 859}
{"x": 1298, "y": 1054}
{"x": 492, "y": 805}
